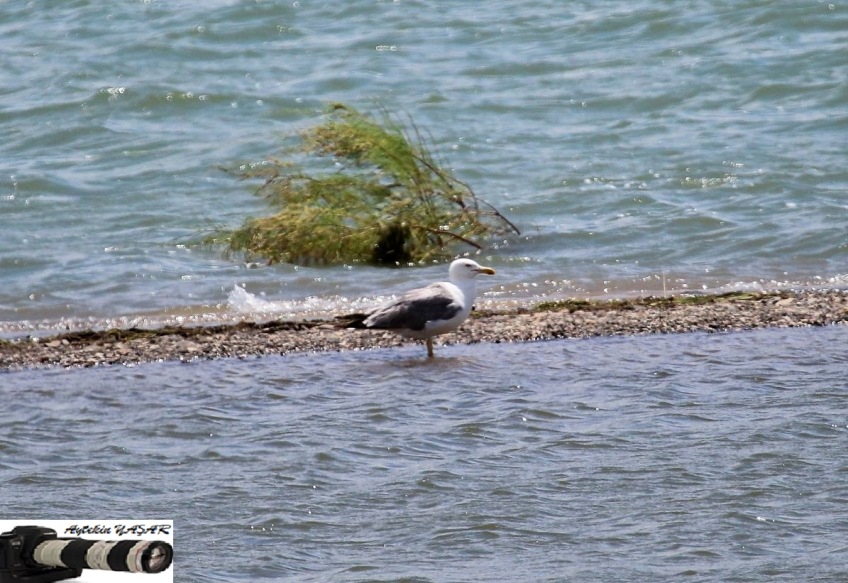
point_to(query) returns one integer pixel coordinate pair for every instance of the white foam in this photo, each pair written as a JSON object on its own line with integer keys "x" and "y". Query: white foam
{"x": 241, "y": 301}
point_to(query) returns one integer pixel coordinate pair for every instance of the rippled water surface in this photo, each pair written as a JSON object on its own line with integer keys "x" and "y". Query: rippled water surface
{"x": 639, "y": 145}
{"x": 696, "y": 457}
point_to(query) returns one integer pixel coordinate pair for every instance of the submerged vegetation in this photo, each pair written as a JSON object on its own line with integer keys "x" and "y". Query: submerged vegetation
{"x": 384, "y": 200}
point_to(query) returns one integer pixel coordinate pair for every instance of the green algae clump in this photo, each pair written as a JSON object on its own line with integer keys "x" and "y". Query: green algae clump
{"x": 384, "y": 200}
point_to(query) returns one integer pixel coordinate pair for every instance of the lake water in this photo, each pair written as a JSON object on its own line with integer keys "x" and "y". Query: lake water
{"x": 638, "y": 145}
{"x": 642, "y": 147}
{"x": 680, "y": 457}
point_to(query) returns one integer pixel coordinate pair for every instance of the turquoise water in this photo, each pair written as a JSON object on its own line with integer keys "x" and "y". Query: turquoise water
{"x": 640, "y": 146}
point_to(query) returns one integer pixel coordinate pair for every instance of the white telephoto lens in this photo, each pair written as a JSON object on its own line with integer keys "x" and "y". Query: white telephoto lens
{"x": 97, "y": 556}
{"x": 134, "y": 556}
{"x": 49, "y": 553}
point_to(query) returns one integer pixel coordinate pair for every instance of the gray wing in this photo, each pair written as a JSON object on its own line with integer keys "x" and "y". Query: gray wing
{"x": 414, "y": 309}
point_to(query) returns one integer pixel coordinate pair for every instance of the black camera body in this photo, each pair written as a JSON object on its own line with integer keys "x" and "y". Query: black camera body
{"x": 35, "y": 554}
{"x": 16, "y": 557}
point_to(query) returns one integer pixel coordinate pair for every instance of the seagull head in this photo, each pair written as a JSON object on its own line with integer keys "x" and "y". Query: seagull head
{"x": 466, "y": 269}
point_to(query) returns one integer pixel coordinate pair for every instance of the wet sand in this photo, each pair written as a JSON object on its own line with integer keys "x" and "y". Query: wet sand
{"x": 549, "y": 320}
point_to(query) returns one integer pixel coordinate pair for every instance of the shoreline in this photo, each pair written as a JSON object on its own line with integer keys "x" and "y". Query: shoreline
{"x": 545, "y": 321}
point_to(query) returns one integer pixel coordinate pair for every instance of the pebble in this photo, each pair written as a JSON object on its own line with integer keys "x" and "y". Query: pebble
{"x": 724, "y": 313}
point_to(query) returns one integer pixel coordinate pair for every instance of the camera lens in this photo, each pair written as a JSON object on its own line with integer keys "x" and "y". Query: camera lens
{"x": 159, "y": 559}
{"x": 132, "y": 556}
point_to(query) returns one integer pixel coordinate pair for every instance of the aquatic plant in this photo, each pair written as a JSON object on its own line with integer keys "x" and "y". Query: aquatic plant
{"x": 383, "y": 199}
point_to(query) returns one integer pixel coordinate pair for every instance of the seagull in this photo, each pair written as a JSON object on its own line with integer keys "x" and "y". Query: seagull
{"x": 429, "y": 311}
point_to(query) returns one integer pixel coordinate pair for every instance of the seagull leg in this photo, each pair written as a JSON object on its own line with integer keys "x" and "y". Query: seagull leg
{"x": 429, "y": 348}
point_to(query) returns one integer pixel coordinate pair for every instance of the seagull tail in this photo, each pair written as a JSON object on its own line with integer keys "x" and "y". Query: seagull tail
{"x": 351, "y": 321}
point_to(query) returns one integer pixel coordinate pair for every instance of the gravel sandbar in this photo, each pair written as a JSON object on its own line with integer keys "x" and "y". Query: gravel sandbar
{"x": 549, "y": 320}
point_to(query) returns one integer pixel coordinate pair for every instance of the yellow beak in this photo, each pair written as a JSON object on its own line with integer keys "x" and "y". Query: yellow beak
{"x": 486, "y": 270}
